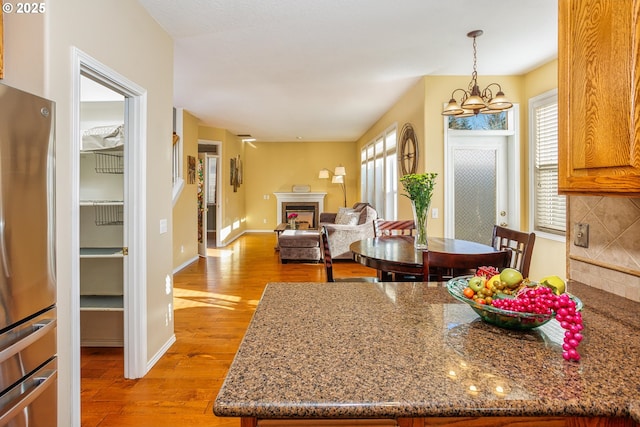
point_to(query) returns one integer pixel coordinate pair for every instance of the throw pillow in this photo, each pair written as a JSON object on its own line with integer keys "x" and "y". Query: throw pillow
{"x": 347, "y": 216}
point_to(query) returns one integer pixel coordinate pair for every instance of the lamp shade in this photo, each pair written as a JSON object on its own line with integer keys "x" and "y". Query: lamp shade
{"x": 340, "y": 171}
{"x": 500, "y": 102}
{"x": 324, "y": 174}
{"x": 337, "y": 179}
{"x": 452, "y": 108}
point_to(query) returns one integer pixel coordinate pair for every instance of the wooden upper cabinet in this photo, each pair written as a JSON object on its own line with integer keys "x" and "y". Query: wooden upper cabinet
{"x": 599, "y": 97}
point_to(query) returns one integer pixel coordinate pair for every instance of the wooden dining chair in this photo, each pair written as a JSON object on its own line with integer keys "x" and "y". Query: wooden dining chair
{"x": 434, "y": 263}
{"x": 520, "y": 243}
{"x": 328, "y": 262}
{"x": 383, "y": 227}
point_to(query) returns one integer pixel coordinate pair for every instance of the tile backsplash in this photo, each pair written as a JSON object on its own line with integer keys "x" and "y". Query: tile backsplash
{"x": 612, "y": 260}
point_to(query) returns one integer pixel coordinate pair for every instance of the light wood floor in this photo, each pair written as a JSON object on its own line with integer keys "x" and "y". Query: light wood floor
{"x": 214, "y": 300}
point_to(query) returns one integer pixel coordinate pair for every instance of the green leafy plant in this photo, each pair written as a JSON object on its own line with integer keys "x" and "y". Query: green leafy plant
{"x": 419, "y": 189}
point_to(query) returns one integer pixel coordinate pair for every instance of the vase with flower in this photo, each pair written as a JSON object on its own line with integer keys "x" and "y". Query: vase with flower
{"x": 292, "y": 220}
{"x": 419, "y": 189}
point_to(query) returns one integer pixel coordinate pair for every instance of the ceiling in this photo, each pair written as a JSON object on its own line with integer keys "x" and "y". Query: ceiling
{"x": 326, "y": 70}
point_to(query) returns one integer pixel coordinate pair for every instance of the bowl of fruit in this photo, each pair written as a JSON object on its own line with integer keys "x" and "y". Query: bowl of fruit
{"x": 508, "y": 300}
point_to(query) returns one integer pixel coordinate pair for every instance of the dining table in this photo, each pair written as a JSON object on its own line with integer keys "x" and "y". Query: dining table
{"x": 397, "y": 255}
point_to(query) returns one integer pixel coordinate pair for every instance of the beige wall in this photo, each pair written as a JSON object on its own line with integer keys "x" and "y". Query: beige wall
{"x": 422, "y": 104}
{"x": 408, "y": 109}
{"x": 233, "y": 211}
{"x": 185, "y": 210}
{"x": 549, "y": 256}
{"x": 38, "y": 53}
{"x": 277, "y": 166}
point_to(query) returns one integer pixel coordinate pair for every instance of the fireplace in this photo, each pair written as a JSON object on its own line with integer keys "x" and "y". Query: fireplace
{"x": 307, "y": 205}
{"x": 307, "y": 212}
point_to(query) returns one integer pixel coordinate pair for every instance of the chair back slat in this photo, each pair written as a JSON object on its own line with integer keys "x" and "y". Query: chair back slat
{"x": 434, "y": 263}
{"x": 328, "y": 262}
{"x": 520, "y": 244}
{"x": 394, "y": 228}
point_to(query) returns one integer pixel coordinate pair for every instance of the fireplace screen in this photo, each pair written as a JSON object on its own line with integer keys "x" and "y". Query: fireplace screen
{"x": 307, "y": 212}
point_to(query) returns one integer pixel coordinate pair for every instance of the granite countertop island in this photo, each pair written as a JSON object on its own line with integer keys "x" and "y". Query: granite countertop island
{"x": 408, "y": 351}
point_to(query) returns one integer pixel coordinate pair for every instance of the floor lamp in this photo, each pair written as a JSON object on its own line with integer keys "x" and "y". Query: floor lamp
{"x": 338, "y": 178}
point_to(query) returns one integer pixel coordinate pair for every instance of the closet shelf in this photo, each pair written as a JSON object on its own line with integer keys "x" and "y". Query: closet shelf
{"x": 101, "y": 253}
{"x": 101, "y": 303}
{"x": 110, "y": 163}
{"x": 107, "y": 212}
{"x": 101, "y": 203}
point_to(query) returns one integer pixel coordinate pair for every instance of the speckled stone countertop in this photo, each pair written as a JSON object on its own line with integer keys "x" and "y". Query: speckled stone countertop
{"x": 389, "y": 350}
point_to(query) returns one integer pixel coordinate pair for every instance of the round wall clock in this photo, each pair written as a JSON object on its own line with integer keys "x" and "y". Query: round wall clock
{"x": 408, "y": 150}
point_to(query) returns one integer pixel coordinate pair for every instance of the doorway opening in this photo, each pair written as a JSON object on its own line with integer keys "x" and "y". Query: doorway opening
{"x": 482, "y": 180}
{"x": 208, "y": 180}
{"x": 120, "y": 211}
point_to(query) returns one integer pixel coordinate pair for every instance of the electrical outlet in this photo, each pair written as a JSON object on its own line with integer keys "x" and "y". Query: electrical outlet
{"x": 581, "y": 232}
{"x": 434, "y": 213}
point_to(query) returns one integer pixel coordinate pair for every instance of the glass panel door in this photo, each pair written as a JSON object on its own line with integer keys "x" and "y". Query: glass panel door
{"x": 477, "y": 182}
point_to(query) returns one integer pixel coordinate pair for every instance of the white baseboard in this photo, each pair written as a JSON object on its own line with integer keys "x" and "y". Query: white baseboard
{"x": 160, "y": 353}
{"x": 184, "y": 264}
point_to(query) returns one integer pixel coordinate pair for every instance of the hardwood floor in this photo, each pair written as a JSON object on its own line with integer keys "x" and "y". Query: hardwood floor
{"x": 214, "y": 299}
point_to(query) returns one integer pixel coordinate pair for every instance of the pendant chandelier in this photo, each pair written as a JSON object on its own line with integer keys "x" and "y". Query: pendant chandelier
{"x": 473, "y": 101}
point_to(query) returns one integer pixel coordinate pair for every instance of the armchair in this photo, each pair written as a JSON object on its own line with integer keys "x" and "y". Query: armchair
{"x": 347, "y": 226}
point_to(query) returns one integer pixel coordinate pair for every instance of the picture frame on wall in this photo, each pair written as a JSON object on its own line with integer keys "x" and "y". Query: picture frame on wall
{"x": 191, "y": 170}
{"x": 235, "y": 166}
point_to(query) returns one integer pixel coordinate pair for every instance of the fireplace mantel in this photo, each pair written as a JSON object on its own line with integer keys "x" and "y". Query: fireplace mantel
{"x": 311, "y": 197}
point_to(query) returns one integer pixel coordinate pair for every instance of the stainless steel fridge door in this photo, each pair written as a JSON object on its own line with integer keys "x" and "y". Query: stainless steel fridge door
{"x": 27, "y": 278}
{"x": 32, "y": 402}
{"x": 26, "y": 347}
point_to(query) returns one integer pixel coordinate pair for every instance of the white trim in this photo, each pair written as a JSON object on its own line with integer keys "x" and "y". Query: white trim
{"x": 219, "y": 176}
{"x": 135, "y": 333}
{"x": 185, "y": 264}
{"x": 167, "y": 345}
{"x": 178, "y": 186}
{"x": 74, "y": 303}
{"x": 311, "y": 197}
{"x": 512, "y": 135}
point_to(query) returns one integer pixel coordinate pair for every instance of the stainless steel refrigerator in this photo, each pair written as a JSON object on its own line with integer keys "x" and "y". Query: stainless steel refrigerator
{"x": 28, "y": 364}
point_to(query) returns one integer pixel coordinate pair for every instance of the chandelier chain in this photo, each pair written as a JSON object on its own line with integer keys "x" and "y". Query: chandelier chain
{"x": 474, "y": 74}
{"x": 474, "y": 101}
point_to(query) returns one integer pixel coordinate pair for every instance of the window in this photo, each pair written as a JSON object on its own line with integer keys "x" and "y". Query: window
{"x": 548, "y": 209}
{"x": 379, "y": 174}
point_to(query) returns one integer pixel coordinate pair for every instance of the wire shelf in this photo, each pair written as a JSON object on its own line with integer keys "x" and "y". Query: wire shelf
{"x": 109, "y": 214}
{"x": 109, "y": 163}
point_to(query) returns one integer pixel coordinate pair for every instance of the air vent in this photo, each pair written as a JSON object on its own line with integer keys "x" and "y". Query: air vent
{"x": 208, "y": 148}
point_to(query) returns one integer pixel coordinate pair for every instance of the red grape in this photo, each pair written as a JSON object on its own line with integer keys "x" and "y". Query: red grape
{"x": 542, "y": 300}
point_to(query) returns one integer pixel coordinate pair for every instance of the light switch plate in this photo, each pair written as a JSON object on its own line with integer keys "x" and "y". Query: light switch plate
{"x": 581, "y": 235}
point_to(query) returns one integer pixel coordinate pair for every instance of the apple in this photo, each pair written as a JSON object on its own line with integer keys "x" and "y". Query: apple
{"x": 511, "y": 277}
{"x": 476, "y": 283}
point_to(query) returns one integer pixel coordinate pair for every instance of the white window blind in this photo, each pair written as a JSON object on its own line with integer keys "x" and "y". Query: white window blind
{"x": 378, "y": 177}
{"x": 550, "y": 208}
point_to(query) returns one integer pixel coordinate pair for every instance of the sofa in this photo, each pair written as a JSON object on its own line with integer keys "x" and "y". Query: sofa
{"x": 347, "y": 226}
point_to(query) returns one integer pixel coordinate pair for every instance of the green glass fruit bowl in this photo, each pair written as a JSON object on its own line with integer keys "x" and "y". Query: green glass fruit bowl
{"x": 497, "y": 316}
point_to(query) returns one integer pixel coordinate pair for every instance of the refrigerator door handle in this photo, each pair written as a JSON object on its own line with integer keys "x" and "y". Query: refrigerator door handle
{"x": 42, "y": 380}
{"x": 3, "y": 249}
{"x": 38, "y": 331}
